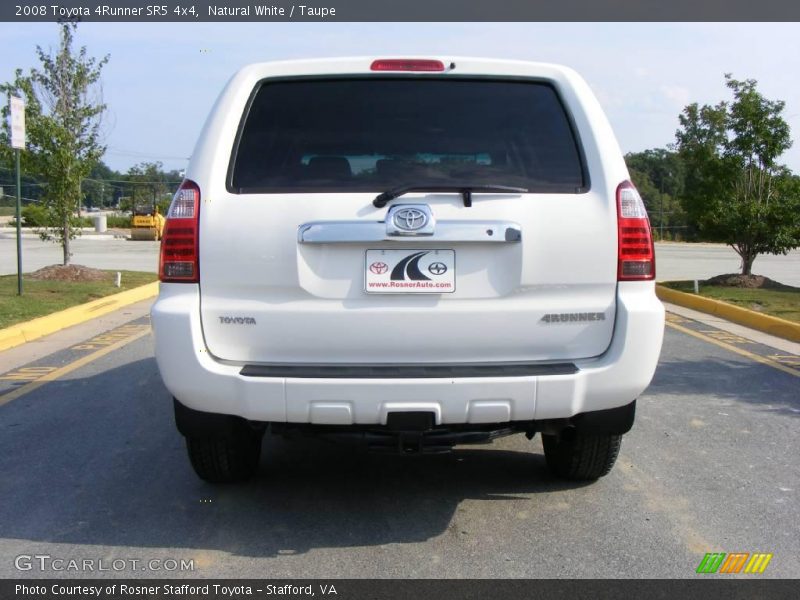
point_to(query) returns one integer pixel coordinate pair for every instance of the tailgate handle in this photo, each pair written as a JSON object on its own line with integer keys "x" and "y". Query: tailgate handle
{"x": 352, "y": 232}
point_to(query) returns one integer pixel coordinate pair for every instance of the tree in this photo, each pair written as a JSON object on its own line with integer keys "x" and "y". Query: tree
{"x": 658, "y": 175}
{"x": 664, "y": 168}
{"x": 735, "y": 189}
{"x": 149, "y": 184}
{"x": 97, "y": 189}
{"x": 63, "y": 115}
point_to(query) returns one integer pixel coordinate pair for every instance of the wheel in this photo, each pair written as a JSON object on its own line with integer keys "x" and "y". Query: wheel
{"x": 225, "y": 460}
{"x": 579, "y": 456}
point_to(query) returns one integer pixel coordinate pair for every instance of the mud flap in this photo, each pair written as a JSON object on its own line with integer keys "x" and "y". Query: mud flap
{"x": 614, "y": 421}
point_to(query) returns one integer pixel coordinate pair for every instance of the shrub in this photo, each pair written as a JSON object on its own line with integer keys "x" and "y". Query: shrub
{"x": 119, "y": 222}
{"x": 35, "y": 215}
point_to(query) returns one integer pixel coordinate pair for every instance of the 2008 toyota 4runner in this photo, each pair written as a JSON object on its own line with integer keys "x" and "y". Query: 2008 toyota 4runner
{"x": 413, "y": 253}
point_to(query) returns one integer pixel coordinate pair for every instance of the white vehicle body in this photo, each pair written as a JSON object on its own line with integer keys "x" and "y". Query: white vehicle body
{"x": 279, "y": 327}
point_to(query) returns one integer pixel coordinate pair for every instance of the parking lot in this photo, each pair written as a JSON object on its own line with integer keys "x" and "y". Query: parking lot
{"x": 91, "y": 467}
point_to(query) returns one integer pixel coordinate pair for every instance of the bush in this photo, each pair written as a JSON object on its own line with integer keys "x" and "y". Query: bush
{"x": 35, "y": 215}
{"x": 119, "y": 222}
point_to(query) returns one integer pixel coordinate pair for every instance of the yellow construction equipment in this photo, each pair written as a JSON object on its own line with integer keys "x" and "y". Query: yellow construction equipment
{"x": 146, "y": 223}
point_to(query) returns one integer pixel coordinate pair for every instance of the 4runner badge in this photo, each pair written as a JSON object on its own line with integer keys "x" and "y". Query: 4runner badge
{"x": 573, "y": 317}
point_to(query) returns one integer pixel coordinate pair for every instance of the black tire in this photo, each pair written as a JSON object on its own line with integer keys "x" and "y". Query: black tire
{"x": 226, "y": 460}
{"x": 577, "y": 456}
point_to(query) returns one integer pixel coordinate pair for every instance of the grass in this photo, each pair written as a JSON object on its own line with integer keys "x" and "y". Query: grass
{"x": 784, "y": 303}
{"x": 7, "y": 211}
{"x": 44, "y": 297}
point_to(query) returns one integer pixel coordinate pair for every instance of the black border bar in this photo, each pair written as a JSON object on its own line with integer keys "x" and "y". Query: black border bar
{"x": 193, "y": 11}
{"x": 733, "y": 588}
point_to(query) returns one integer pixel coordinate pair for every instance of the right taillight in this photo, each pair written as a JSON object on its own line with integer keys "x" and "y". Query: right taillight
{"x": 179, "y": 261}
{"x": 636, "y": 256}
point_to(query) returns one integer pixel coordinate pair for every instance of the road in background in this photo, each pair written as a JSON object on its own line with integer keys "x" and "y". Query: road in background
{"x": 673, "y": 260}
{"x": 676, "y": 261}
{"x": 91, "y": 467}
{"x": 97, "y": 251}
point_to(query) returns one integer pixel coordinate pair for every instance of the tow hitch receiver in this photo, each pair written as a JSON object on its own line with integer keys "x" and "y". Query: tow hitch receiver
{"x": 410, "y": 421}
{"x": 410, "y": 428}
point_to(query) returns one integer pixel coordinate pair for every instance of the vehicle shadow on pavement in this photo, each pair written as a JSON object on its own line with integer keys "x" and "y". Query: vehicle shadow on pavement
{"x": 98, "y": 461}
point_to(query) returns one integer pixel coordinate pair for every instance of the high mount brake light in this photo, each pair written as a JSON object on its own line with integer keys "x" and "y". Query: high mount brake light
{"x": 636, "y": 255}
{"x": 406, "y": 64}
{"x": 179, "y": 261}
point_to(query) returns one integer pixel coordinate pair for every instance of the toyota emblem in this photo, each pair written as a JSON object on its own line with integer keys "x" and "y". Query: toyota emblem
{"x": 410, "y": 219}
{"x": 379, "y": 268}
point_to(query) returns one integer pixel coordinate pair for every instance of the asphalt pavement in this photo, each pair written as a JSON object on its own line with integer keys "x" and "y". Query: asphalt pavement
{"x": 91, "y": 468}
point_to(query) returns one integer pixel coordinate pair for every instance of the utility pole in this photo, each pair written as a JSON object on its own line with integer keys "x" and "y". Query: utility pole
{"x": 661, "y": 197}
{"x": 661, "y": 216}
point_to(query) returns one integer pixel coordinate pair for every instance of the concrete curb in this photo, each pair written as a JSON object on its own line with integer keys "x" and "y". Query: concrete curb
{"x": 25, "y": 332}
{"x": 773, "y": 325}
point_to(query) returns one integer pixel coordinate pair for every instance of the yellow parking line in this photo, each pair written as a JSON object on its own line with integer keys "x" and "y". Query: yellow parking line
{"x": 60, "y": 372}
{"x": 761, "y": 359}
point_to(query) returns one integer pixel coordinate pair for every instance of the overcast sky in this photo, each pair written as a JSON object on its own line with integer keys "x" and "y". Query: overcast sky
{"x": 163, "y": 78}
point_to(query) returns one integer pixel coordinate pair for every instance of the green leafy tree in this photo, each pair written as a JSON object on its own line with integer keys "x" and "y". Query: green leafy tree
{"x": 658, "y": 174}
{"x": 63, "y": 115}
{"x": 735, "y": 189}
{"x": 664, "y": 168}
{"x": 647, "y": 190}
{"x": 98, "y": 189}
{"x": 149, "y": 184}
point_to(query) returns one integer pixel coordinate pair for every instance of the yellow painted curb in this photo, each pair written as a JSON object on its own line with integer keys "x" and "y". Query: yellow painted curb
{"x": 30, "y": 330}
{"x": 749, "y": 318}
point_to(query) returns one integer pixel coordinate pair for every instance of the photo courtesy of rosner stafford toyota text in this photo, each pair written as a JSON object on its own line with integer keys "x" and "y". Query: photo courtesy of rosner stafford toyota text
{"x": 377, "y": 300}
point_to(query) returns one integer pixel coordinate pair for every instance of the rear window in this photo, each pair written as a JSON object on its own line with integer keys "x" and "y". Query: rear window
{"x": 374, "y": 134}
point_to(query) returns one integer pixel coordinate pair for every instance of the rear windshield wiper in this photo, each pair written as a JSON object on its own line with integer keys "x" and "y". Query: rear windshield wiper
{"x": 465, "y": 190}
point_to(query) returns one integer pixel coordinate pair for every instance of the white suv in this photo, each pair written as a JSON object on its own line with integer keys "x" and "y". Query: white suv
{"x": 409, "y": 253}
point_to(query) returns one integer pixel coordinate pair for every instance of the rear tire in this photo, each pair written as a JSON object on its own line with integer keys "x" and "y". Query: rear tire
{"x": 226, "y": 460}
{"x": 579, "y": 456}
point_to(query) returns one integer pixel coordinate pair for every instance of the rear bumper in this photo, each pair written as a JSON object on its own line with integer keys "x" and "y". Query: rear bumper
{"x": 202, "y": 383}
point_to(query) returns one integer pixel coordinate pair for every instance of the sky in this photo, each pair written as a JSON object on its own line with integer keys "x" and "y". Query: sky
{"x": 163, "y": 78}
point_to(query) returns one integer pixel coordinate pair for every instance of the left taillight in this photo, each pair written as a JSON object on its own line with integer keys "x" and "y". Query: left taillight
{"x": 179, "y": 261}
